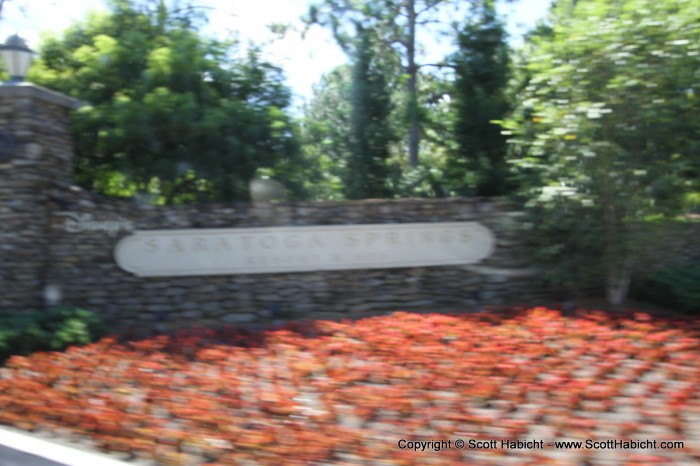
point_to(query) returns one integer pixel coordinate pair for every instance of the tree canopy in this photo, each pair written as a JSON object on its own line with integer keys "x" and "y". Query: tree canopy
{"x": 370, "y": 133}
{"x": 482, "y": 71}
{"x": 396, "y": 24}
{"x": 170, "y": 112}
{"x": 606, "y": 126}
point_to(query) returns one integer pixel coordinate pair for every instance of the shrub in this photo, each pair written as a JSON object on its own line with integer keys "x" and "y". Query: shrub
{"x": 676, "y": 288}
{"x": 27, "y": 332}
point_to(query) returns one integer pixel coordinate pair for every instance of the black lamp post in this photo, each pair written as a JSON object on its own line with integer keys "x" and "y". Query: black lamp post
{"x": 17, "y": 57}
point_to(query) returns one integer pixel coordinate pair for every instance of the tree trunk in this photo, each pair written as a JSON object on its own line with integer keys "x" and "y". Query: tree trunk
{"x": 414, "y": 130}
{"x": 618, "y": 283}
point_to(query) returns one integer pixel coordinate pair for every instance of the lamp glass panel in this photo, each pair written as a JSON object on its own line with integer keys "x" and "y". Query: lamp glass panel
{"x": 16, "y": 62}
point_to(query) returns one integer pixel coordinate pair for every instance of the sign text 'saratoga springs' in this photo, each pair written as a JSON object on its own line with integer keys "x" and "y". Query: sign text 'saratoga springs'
{"x": 302, "y": 249}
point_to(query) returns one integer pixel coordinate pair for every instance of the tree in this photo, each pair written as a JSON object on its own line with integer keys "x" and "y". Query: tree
{"x": 326, "y": 133}
{"x": 437, "y": 142}
{"x": 396, "y": 23}
{"x": 171, "y": 112}
{"x": 367, "y": 172}
{"x": 607, "y": 126}
{"x": 482, "y": 69}
{"x": 347, "y": 129}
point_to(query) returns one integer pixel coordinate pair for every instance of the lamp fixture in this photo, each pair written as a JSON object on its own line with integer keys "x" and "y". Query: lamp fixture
{"x": 17, "y": 57}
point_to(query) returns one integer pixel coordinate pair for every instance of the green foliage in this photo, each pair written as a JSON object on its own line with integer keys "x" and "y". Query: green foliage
{"x": 370, "y": 136}
{"x": 348, "y": 128}
{"x": 325, "y": 133}
{"x": 692, "y": 202}
{"x": 429, "y": 178}
{"x": 563, "y": 237}
{"x": 23, "y": 333}
{"x": 453, "y": 148}
{"x": 397, "y": 24}
{"x": 171, "y": 113}
{"x": 426, "y": 180}
{"x": 607, "y": 119}
{"x": 482, "y": 68}
{"x": 677, "y": 289}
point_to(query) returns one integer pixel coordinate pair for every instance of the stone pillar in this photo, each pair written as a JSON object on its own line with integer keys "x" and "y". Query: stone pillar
{"x": 36, "y": 164}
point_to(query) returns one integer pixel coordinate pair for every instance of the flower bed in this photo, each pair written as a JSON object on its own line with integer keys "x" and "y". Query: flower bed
{"x": 346, "y": 393}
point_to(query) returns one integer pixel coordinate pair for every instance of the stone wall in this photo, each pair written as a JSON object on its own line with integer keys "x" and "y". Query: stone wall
{"x": 41, "y": 250}
{"x": 82, "y": 264}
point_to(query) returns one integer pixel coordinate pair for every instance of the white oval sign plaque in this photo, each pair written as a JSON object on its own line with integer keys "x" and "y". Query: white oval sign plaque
{"x": 159, "y": 253}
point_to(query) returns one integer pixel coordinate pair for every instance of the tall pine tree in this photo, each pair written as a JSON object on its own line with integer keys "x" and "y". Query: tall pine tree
{"x": 482, "y": 70}
{"x": 370, "y": 134}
